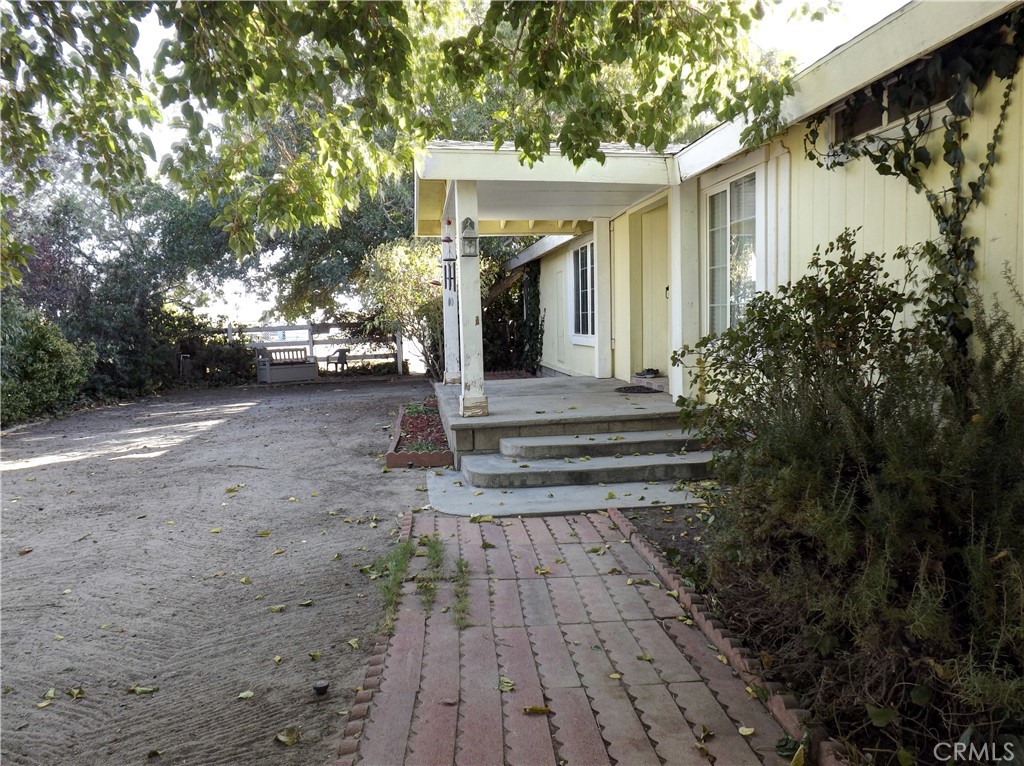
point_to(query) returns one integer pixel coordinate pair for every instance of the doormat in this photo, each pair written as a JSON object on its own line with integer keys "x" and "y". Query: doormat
{"x": 637, "y": 390}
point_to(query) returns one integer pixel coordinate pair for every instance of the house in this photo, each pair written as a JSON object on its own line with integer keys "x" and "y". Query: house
{"x": 651, "y": 251}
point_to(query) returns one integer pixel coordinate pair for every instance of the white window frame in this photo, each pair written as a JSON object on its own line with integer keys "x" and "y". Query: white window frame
{"x": 713, "y": 183}
{"x": 587, "y": 250}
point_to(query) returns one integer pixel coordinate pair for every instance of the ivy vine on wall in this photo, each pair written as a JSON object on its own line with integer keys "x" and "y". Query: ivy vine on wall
{"x": 900, "y": 113}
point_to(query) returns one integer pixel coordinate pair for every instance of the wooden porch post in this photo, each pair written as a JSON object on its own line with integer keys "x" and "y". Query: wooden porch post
{"x": 450, "y": 297}
{"x": 603, "y": 297}
{"x": 473, "y": 402}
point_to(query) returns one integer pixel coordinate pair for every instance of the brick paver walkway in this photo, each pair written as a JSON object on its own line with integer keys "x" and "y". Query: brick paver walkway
{"x": 571, "y": 614}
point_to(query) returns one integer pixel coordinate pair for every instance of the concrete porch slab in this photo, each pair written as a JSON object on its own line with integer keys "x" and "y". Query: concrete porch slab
{"x": 449, "y": 493}
{"x": 551, "y": 406}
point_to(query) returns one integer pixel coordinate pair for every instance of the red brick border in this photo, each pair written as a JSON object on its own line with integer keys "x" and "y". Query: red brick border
{"x": 782, "y": 704}
{"x": 348, "y": 750}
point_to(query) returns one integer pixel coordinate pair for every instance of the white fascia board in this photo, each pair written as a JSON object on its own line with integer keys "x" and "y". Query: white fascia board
{"x": 902, "y": 37}
{"x": 485, "y": 164}
{"x": 538, "y": 249}
{"x": 908, "y": 34}
{"x": 711, "y": 149}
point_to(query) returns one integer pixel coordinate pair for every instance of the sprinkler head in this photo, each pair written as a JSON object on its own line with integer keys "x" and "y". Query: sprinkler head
{"x": 320, "y": 687}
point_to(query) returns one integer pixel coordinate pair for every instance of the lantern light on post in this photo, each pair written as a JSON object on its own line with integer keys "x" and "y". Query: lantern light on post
{"x": 470, "y": 240}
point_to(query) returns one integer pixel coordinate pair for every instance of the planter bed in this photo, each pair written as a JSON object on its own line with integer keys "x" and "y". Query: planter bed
{"x": 419, "y": 440}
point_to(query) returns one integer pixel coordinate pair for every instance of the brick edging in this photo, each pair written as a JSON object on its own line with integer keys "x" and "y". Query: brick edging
{"x": 348, "y": 750}
{"x": 782, "y": 704}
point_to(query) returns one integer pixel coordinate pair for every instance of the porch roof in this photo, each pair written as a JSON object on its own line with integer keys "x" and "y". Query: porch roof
{"x": 552, "y": 197}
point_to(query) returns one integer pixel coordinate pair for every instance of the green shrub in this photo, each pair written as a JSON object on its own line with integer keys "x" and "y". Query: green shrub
{"x": 221, "y": 363}
{"x": 41, "y": 371}
{"x": 871, "y": 542}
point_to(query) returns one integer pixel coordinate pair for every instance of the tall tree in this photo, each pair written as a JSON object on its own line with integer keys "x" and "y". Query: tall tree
{"x": 364, "y": 81}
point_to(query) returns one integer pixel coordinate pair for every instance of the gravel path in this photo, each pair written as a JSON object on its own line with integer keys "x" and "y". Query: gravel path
{"x": 164, "y": 534}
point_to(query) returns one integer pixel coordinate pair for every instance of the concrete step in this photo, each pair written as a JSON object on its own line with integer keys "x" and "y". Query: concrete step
{"x": 500, "y": 472}
{"x": 449, "y": 493}
{"x": 599, "y": 445}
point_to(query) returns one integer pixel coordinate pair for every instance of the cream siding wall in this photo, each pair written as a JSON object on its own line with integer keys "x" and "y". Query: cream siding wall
{"x": 824, "y": 202}
{"x": 560, "y": 353}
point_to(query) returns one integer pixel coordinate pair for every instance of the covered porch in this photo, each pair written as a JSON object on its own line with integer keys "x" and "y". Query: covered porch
{"x": 466, "y": 191}
{"x": 551, "y": 407}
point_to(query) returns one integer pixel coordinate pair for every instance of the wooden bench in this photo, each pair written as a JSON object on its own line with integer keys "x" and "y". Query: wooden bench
{"x": 284, "y": 365}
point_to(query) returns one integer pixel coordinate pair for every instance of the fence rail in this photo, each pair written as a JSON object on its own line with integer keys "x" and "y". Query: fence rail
{"x": 310, "y": 336}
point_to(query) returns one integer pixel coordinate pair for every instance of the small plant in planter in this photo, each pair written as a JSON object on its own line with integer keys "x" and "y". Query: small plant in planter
{"x": 419, "y": 438}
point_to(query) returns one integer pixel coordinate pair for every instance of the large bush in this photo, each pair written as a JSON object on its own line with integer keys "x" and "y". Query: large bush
{"x": 41, "y": 371}
{"x": 872, "y": 541}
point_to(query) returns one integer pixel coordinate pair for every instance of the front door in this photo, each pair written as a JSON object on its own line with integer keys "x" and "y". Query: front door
{"x": 654, "y": 280}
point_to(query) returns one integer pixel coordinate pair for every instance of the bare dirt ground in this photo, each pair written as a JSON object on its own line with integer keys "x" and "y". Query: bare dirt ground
{"x": 161, "y": 533}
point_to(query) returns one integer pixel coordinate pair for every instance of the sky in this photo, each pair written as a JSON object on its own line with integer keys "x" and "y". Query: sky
{"x": 807, "y": 40}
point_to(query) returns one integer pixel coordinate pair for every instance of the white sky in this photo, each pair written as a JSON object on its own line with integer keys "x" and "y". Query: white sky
{"x": 807, "y": 40}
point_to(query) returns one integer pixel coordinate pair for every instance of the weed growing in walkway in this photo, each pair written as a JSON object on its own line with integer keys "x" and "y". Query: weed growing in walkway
{"x": 392, "y": 570}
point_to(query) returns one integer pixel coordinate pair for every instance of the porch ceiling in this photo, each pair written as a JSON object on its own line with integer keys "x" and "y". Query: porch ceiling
{"x": 552, "y": 197}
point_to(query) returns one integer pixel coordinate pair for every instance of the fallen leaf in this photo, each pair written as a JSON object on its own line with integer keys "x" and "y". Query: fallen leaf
{"x": 154, "y": 753}
{"x": 314, "y": 656}
{"x": 234, "y": 489}
{"x": 215, "y": 531}
{"x": 705, "y": 733}
{"x": 58, "y": 637}
{"x": 672, "y": 593}
{"x": 476, "y": 518}
{"x": 746, "y": 731}
{"x": 292, "y": 500}
{"x": 536, "y": 710}
{"x": 260, "y": 597}
{"x": 616, "y": 676}
{"x": 645, "y": 658}
{"x": 246, "y": 695}
{"x": 289, "y": 736}
{"x": 263, "y": 533}
{"x": 277, "y": 608}
{"x": 614, "y": 571}
{"x": 314, "y": 494}
{"x": 478, "y": 493}
{"x": 44, "y": 703}
{"x": 505, "y": 684}
{"x": 278, "y": 552}
{"x": 106, "y": 626}
{"x": 542, "y": 569}
{"x": 24, "y": 551}
{"x": 485, "y": 545}
{"x": 218, "y": 574}
{"x": 353, "y": 642}
{"x": 277, "y": 659}
{"x": 723, "y": 659}
{"x": 66, "y": 592}
{"x": 799, "y": 759}
{"x": 245, "y": 581}
{"x": 307, "y": 602}
{"x": 140, "y": 690}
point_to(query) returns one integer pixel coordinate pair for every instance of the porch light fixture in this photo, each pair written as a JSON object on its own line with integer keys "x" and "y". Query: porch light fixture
{"x": 470, "y": 240}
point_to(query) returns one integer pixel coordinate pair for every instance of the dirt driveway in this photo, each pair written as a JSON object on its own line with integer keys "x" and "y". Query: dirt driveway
{"x": 165, "y": 535}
